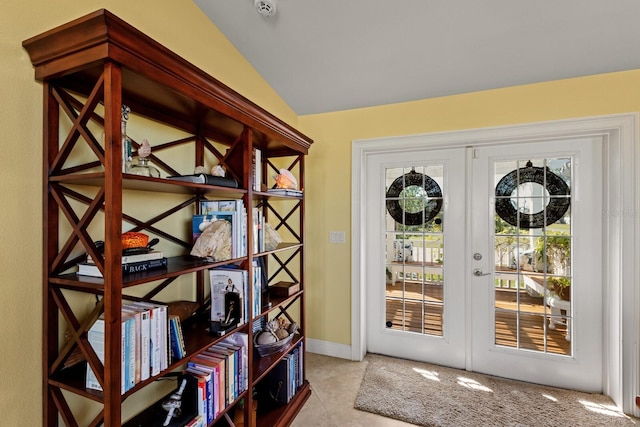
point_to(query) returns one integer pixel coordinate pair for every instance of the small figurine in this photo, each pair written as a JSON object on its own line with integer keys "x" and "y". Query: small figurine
{"x": 173, "y": 404}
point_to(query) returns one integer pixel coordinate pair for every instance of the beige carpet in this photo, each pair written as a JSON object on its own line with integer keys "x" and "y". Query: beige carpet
{"x": 435, "y": 396}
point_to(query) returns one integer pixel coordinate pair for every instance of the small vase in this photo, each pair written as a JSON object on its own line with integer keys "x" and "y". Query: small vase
{"x": 143, "y": 168}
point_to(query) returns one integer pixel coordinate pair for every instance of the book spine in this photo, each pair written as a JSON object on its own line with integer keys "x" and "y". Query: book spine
{"x": 215, "y": 375}
{"x": 141, "y": 266}
{"x": 127, "y": 259}
{"x": 175, "y": 346}
{"x": 155, "y": 339}
{"x": 182, "y": 346}
{"x": 123, "y": 359}
{"x": 96, "y": 339}
{"x": 131, "y": 353}
{"x": 145, "y": 344}
{"x": 202, "y": 397}
{"x": 164, "y": 316}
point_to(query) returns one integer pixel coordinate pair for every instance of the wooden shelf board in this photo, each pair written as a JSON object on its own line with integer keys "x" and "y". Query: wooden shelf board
{"x": 177, "y": 266}
{"x": 160, "y": 185}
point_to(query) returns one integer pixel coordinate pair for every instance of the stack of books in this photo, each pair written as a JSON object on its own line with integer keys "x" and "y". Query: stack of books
{"x": 130, "y": 264}
{"x": 285, "y": 192}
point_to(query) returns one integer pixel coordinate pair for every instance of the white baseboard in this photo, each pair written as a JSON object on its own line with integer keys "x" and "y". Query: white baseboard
{"x": 328, "y": 348}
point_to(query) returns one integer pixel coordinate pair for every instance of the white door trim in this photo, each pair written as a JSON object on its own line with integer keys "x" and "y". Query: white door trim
{"x": 620, "y": 217}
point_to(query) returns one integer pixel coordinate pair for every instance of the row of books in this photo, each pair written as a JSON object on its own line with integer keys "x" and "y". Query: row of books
{"x": 130, "y": 264}
{"x": 145, "y": 343}
{"x": 220, "y": 374}
{"x": 284, "y": 380}
{"x": 232, "y": 211}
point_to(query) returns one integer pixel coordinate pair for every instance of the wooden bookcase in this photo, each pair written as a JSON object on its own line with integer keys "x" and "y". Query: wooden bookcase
{"x": 89, "y": 68}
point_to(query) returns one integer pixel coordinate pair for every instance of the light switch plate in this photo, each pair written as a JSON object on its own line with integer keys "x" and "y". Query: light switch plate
{"x": 337, "y": 237}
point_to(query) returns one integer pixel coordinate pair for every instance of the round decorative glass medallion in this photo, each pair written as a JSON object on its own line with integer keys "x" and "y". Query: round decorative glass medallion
{"x": 511, "y": 197}
{"x": 423, "y": 188}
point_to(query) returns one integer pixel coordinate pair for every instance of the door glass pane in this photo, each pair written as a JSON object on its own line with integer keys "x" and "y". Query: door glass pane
{"x": 414, "y": 275}
{"x": 532, "y": 244}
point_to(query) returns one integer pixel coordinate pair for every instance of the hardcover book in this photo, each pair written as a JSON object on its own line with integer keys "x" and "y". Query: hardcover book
{"x": 126, "y": 259}
{"x": 203, "y": 178}
{"x": 89, "y": 269}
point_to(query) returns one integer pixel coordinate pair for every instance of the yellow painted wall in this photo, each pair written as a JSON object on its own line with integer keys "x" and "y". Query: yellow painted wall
{"x": 328, "y": 178}
{"x": 182, "y": 27}
{"x": 177, "y": 24}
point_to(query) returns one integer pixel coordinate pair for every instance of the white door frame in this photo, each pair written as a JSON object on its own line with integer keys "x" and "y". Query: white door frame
{"x": 621, "y": 211}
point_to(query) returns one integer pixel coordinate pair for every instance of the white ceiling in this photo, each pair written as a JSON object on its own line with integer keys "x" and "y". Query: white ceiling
{"x": 330, "y": 55}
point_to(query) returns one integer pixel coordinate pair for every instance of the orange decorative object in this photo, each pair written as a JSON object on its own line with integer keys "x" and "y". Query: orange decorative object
{"x": 132, "y": 239}
{"x": 285, "y": 179}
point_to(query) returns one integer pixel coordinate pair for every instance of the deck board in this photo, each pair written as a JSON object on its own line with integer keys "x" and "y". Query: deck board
{"x": 407, "y": 298}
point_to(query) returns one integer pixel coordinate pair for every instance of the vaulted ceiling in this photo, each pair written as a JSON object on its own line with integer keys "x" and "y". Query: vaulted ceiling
{"x": 330, "y": 55}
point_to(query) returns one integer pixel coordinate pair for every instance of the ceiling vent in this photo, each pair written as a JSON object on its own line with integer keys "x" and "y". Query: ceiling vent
{"x": 265, "y": 7}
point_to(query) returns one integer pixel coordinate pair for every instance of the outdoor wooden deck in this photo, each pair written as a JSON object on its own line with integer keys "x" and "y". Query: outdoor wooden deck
{"x": 530, "y": 320}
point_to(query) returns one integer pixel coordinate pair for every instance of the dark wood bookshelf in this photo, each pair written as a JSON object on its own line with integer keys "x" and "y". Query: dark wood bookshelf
{"x": 90, "y": 68}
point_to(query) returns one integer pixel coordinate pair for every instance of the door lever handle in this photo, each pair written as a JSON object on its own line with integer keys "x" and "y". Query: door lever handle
{"x": 478, "y": 273}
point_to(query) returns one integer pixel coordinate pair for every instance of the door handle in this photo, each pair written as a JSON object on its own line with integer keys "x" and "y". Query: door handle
{"x": 478, "y": 273}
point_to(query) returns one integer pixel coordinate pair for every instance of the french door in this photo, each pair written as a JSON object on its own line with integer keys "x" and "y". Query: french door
{"x": 488, "y": 259}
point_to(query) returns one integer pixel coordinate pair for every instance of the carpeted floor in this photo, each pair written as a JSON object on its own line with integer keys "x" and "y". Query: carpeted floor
{"x": 435, "y": 396}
